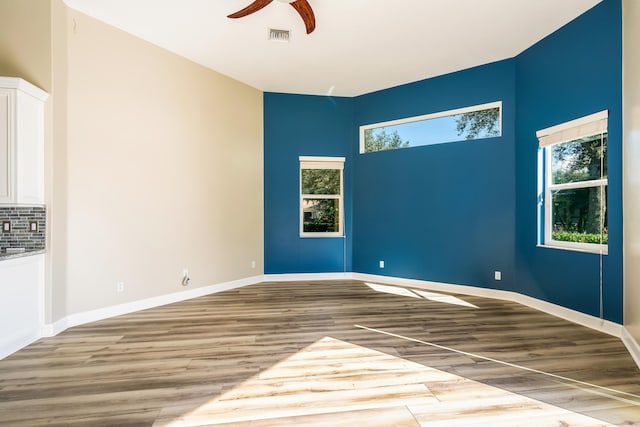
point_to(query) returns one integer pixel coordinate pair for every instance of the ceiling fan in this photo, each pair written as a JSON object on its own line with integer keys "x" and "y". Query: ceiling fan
{"x": 301, "y": 6}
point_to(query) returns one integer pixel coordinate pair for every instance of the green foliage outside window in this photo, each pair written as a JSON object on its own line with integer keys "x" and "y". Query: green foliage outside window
{"x": 580, "y": 214}
{"x": 576, "y": 237}
{"x": 321, "y": 215}
{"x": 436, "y": 128}
{"x": 381, "y": 140}
{"x": 483, "y": 123}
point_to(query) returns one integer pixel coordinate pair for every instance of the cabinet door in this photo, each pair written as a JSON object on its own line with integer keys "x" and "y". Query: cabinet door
{"x": 6, "y": 193}
{"x": 29, "y": 148}
{"x": 21, "y": 302}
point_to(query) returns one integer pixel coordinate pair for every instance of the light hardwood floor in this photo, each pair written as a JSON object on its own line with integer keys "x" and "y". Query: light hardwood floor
{"x": 324, "y": 354}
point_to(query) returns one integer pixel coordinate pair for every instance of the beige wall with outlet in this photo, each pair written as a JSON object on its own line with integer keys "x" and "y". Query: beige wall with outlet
{"x": 631, "y": 197}
{"x": 164, "y": 165}
{"x": 154, "y": 162}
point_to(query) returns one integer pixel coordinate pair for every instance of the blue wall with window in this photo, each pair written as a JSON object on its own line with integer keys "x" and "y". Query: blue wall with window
{"x": 457, "y": 212}
{"x": 574, "y": 72}
{"x": 299, "y": 125}
{"x": 442, "y": 212}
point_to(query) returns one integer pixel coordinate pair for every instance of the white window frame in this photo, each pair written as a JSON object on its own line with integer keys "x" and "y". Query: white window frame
{"x": 424, "y": 117}
{"x": 314, "y": 162}
{"x": 583, "y": 127}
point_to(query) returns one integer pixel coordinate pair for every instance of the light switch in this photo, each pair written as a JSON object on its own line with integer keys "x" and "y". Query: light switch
{"x": 6, "y": 226}
{"x": 33, "y": 226}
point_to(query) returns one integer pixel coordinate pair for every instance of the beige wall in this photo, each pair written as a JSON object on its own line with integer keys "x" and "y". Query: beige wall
{"x": 56, "y": 167}
{"x": 164, "y": 165}
{"x": 25, "y": 41}
{"x": 631, "y": 197}
{"x": 154, "y": 163}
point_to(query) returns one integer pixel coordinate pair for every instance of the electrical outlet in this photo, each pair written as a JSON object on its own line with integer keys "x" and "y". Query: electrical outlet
{"x": 253, "y": 264}
{"x": 33, "y": 226}
{"x": 381, "y": 264}
{"x": 497, "y": 275}
{"x": 6, "y": 226}
{"x": 120, "y": 287}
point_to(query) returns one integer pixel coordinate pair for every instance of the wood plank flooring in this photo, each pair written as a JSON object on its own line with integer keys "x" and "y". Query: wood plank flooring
{"x": 324, "y": 354}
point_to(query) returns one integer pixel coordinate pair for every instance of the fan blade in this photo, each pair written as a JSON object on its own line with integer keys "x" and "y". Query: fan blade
{"x": 253, "y": 7}
{"x": 305, "y": 11}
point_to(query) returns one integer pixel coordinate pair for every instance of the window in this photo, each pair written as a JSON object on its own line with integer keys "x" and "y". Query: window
{"x": 573, "y": 184}
{"x": 476, "y": 122}
{"x": 321, "y": 197}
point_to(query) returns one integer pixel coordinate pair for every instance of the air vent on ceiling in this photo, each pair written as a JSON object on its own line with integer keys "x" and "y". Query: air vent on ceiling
{"x": 279, "y": 35}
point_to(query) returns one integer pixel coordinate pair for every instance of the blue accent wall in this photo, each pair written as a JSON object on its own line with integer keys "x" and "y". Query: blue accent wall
{"x": 457, "y": 212}
{"x": 442, "y": 212}
{"x": 299, "y": 125}
{"x": 574, "y": 72}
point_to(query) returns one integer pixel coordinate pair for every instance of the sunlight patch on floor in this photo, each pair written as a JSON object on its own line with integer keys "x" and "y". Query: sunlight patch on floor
{"x": 395, "y": 290}
{"x": 332, "y": 382}
{"x": 449, "y": 299}
{"x": 417, "y": 293}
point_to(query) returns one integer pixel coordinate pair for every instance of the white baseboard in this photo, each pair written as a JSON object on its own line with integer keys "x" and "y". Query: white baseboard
{"x": 592, "y": 322}
{"x": 302, "y": 277}
{"x": 10, "y": 345}
{"x": 632, "y": 345}
{"x": 78, "y": 319}
{"x": 605, "y": 326}
{"x": 53, "y": 329}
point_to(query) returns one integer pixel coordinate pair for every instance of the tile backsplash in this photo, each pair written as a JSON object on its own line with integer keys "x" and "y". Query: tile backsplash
{"x": 21, "y": 235}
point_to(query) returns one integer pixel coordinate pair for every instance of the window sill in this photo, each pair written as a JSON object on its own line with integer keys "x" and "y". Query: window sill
{"x": 595, "y": 251}
{"x": 321, "y": 235}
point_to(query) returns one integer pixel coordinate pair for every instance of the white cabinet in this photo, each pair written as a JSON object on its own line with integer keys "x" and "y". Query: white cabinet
{"x": 21, "y": 302}
{"x": 21, "y": 142}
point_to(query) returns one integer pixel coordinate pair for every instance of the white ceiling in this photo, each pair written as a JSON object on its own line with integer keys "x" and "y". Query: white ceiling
{"x": 359, "y": 46}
